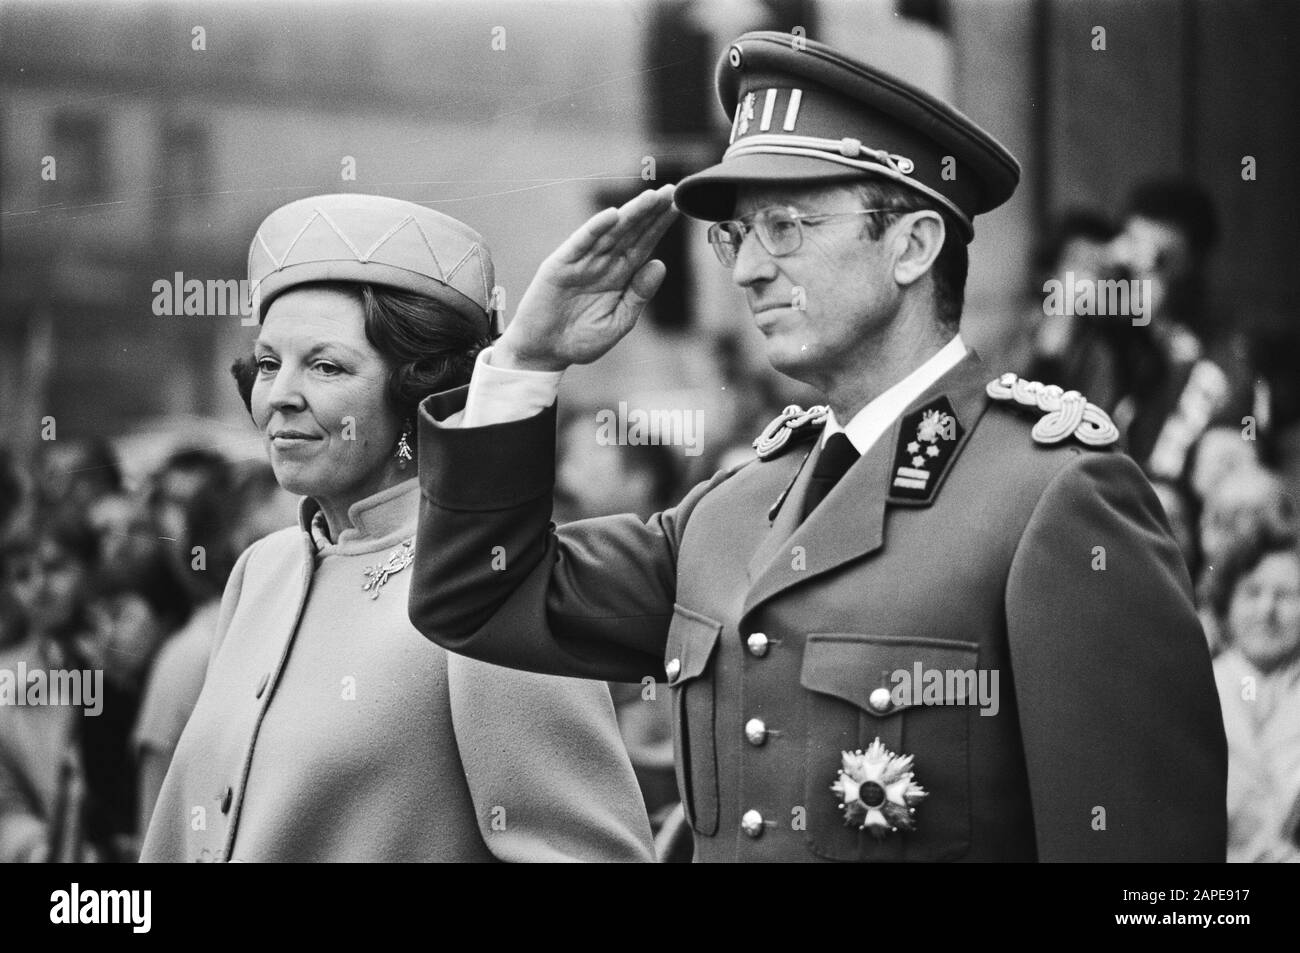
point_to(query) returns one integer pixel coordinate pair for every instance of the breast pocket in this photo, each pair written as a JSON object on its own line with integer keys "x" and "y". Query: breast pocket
{"x": 692, "y": 639}
{"x": 844, "y": 675}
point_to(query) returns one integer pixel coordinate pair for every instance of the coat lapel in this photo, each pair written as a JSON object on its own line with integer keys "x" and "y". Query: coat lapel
{"x": 794, "y": 485}
{"x": 849, "y": 523}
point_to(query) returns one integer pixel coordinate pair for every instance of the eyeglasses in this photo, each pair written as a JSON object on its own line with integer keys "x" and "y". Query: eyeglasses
{"x": 780, "y": 230}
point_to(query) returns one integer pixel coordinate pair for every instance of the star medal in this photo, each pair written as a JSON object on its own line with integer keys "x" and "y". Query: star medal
{"x": 876, "y": 790}
{"x": 398, "y": 560}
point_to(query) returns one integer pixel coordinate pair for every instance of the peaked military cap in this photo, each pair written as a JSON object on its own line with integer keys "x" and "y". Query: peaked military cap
{"x": 804, "y": 112}
{"x": 376, "y": 240}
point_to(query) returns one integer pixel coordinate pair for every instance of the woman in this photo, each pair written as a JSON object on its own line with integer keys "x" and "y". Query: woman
{"x": 40, "y": 768}
{"x": 1256, "y": 596}
{"x": 328, "y": 728}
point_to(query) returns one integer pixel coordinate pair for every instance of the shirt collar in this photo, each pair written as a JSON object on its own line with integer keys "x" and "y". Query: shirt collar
{"x": 376, "y": 521}
{"x": 874, "y": 419}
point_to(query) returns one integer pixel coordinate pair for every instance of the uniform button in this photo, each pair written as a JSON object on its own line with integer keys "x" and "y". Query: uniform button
{"x": 757, "y": 644}
{"x": 880, "y": 699}
{"x": 673, "y": 668}
{"x": 755, "y": 731}
{"x": 226, "y": 799}
{"x": 261, "y": 686}
{"x": 752, "y": 823}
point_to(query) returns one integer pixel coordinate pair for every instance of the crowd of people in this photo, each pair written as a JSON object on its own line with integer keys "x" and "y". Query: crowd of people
{"x": 1188, "y": 388}
{"x": 101, "y": 576}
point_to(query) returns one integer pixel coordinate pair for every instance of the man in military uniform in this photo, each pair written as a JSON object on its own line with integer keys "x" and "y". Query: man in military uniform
{"x": 939, "y": 619}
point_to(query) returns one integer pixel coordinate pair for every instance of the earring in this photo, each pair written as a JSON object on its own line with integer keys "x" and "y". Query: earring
{"x": 404, "y": 455}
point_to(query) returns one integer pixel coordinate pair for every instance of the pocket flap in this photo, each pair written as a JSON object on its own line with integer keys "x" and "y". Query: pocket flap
{"x": 854, "y": 667}
{"x": 691, "y": 640}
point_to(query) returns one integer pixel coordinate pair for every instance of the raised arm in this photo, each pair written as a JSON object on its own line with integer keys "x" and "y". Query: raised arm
{"x": 494, "y": 580}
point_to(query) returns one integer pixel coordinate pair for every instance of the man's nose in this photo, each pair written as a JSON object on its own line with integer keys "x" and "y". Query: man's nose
{"x": 754, "y": 264}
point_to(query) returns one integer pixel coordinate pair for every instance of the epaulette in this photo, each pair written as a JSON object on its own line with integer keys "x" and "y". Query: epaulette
{"x": 793, "y": 424}
{"x": 1067, "y": 412}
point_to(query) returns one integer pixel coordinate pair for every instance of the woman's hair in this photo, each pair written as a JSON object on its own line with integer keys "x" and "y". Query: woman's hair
{"x": 1239, "y": 560}
{"x": 427, "y": 346}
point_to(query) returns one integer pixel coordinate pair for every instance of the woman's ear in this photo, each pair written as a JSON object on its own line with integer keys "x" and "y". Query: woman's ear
{"x": 922, "y": 236}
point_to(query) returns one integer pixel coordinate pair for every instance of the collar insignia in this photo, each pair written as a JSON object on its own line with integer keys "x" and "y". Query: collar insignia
{"x": 926, "y": 441}
{"x": 1067, "y": 413}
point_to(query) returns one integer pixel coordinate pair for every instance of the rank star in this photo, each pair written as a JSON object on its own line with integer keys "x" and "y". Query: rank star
{"x": 932, "y": 450}
{"x": 918, "y": 461}
{"x": 913, "y": 447}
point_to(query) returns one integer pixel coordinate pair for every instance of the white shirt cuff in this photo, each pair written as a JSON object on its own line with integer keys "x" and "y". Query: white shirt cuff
{"x": 499, "y": 395}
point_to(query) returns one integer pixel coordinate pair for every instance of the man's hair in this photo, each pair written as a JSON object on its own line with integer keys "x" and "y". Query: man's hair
{"x": 1240, "y": 559}
{"x": 949, "y": 269}
{"x": 1072, "y": 225}
{"x": 1184, "y": 205}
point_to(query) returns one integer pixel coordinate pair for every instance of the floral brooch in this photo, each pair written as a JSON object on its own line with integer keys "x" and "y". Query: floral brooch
{"x": 398, "y": 560}
{"x": 877, "y": 792}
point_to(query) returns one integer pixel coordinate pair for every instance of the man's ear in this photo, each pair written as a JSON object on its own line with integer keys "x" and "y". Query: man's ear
{"x": 919, "y": 237}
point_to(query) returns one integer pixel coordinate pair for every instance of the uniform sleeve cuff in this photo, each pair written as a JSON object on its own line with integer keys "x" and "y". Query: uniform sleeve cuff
{"x": 498, "y": 395}
{"x": 488, "y": 467}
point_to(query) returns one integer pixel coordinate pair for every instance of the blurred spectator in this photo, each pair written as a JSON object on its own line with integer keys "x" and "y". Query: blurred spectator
{"x": 12, "y": 499}
{"x": 595, "y": 480}
{"x": 73, "y": 473}
{"x": 180, "y": 479}
{"x": 1189, "y": 371}
{"x": 130, "y": 616}
{"x": 1076, "y": 352}
{"x": 224, "y": 523}
{"x": 1255, "y": 594}
{"x": 1219, "y": 454}
{"x": 11, "y": 490}
{"x": 39, "y": 765}
{"x": 1252, "y": 504}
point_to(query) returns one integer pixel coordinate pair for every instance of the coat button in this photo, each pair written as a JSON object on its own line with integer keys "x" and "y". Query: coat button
{"x": 261, "y": 686}
{"x": 673, "y": 668}
{"x": 880, "y": 699}
{"x": 757, "y": 644}
{"x": 755, "y": 731}
{"x": 226, "y": 799}
{"x": 752, "y": 823}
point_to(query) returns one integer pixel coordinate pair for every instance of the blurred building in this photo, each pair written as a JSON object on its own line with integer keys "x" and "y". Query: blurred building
{"x": 174, "y": 128}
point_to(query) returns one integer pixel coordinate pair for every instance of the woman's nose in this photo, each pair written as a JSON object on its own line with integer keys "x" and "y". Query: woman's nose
{"x": 286, "y": 391}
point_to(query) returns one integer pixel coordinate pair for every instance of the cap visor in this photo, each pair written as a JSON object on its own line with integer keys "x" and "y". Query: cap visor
{"x": 711, "y": 193}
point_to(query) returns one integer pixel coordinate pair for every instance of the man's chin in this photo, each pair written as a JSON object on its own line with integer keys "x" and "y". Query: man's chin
{"x": 790, "y": 358}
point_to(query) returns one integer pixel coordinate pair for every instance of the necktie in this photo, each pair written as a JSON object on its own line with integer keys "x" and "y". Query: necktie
{"x": 832, "y": 463}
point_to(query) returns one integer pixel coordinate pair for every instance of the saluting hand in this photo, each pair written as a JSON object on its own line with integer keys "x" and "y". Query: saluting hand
{"x": 591, "y": 290}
